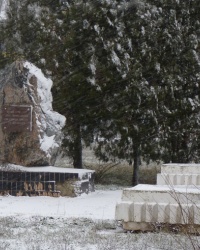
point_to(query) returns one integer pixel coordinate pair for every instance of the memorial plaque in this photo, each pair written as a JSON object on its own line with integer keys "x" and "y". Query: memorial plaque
{"x": 17, "y": 118}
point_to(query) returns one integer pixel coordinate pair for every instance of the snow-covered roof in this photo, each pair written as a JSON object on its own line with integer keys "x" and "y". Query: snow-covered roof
{"x": 52, "y": 169}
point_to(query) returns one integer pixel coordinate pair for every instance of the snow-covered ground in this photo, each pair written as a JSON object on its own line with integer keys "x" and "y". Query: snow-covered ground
{"x": 82, "y": 223}
{"x": 97, "y": 205}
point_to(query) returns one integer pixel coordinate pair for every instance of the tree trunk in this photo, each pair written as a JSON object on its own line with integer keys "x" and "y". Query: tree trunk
{"x": 136, "y": 164}
{"x": 77, "y": 156}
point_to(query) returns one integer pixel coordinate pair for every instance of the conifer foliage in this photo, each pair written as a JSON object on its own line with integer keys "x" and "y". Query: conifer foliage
{"x": 126, "y": 73}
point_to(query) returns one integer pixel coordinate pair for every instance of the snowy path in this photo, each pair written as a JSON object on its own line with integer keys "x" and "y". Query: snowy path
{"x": 97, "y": 205}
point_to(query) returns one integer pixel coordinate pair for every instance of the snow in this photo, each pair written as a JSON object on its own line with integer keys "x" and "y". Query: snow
{"x": 55, "y": 121}
{"x": 81, "y": 172}
{"x": 82, "y": 223}
{"x": 115, "y": 58}
{"x": 92, "y": 65}
{"x": 143, "y": 30}
{"x": 97, "y": 28}
{"x": 157, "y": 67}
{"x": 46, "y": 169}
{"x": 3, "y": 4}
{"x": 43, "y": 88}
{"x": 97, "y": 205}
{"x": 57, "y": 223}
{"x": 193, "y": 165}
{"x": 47, "y": 142}
{"x": 165, "y": 188}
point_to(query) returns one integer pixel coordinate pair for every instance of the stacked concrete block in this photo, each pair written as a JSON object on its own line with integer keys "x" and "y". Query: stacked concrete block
{"x": 179, "y": 174}
{"x": 174, "y": 200}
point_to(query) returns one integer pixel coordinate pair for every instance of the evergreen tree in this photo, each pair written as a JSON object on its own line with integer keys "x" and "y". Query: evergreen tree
{"x": 62, "y": 44}
{"x": 156, "y": 110}
{"x": 131, "y": 130}
{"x": 177, "y": 46}
{"x": 126, "y": 73}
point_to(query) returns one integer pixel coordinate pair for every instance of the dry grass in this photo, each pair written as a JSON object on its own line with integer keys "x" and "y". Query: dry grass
{"x": 42, "y": 233}
{"x": 121, "y": 174}
{"x": 148, "y": 175}
{"x": 66, "y": 188}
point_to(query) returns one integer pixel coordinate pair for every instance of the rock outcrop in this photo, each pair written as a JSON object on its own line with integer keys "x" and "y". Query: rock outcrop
{"x": 30, "y": 131}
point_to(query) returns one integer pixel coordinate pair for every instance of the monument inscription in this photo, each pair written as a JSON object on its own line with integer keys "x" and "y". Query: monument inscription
{"x": 17, "y": 118}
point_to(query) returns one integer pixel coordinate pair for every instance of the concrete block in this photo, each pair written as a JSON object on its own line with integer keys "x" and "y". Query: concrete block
{"x": 161, "y": 194}
{"x": 122, "y": 211}
{"x": 174, "y": 214}
{"x": 174, "y": 200}
{"x": 163, "y": 212}
{"x": 178, "y": 168}
{"x": 138, "y": 213}
{"x": 151, "y": 212}
{"x": 162, "y": 204}
{"x": 154, "y": 212}
{"x": 178, "y": 179}
{"x": 197, "y": 214}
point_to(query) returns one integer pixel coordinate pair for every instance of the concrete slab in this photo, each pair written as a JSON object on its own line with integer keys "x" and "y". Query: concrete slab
{"x": 161, "y": 194}
{"x": 179, "y": 168}
{"x": 175, "y": 200}
{"x": 158, "y": 204}
{"x": 178, "y": 179}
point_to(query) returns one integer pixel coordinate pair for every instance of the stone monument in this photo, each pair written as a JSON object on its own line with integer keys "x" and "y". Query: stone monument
{"x": 30, "y": 138}
{"x": 30, "y": 131}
